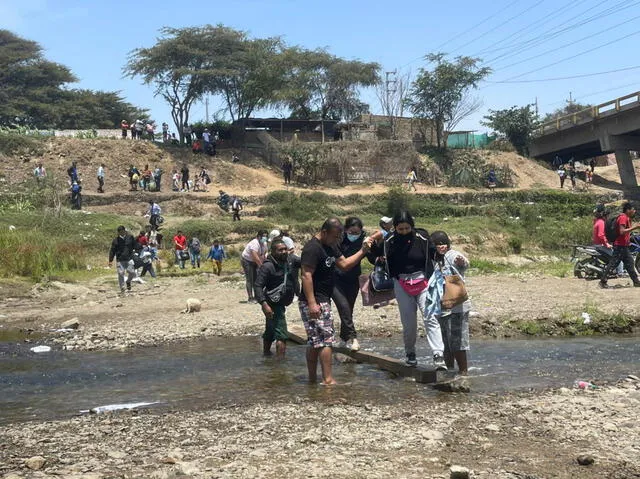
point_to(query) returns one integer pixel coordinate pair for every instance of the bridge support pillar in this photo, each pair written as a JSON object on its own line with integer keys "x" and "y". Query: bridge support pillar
{"x": 625, "y": 168}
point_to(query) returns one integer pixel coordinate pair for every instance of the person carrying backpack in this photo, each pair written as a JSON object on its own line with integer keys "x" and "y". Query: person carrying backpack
{"x": 275, "y": 286}
{"x": 194, "y": 251}
{"x": 618, "y": 231}
{"x": 236, "y": 207}
{"x": 217, "y": 255}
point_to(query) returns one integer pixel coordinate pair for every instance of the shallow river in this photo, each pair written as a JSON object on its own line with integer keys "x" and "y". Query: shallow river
{"x": 216, "y": 371}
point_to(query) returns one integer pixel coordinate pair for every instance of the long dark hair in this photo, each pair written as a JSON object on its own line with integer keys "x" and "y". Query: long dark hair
{"x": 403, "y": 216}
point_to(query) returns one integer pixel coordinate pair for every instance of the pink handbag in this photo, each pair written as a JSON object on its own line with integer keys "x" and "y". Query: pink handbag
{"x": 413, "y": 287}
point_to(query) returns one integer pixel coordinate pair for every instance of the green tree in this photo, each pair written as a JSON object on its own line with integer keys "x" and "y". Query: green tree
{"x": 568, "y": 109}
{"x": 516, "y": 124}
{"x": 321, "y": 85}
{"x": 437, "y": 94}
{"x": 30, "y": 86}
{"x": 252, "y": 76}
{"x": 175, "y": 65}
{"x": 86, "y": 109}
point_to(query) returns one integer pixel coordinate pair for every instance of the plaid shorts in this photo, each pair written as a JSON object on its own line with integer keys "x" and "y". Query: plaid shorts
{"x": 319, "y": 331}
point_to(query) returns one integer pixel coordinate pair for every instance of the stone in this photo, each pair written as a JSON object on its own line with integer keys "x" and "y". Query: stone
{"x": 35, "y": 463}
{"x": 585, "y": 459}
{"x": 433, "y": 435}
{"x": 492, "y": 428}
{"x": 610, "y": 427}
{"x": 633, "y": 378}
{"x": 168, "y": 460}
{"x": 458, "y": 472}
{"x": 116, "y": 454}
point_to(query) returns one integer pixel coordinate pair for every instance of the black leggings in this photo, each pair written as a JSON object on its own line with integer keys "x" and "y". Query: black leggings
{"x": 344, "y": 296}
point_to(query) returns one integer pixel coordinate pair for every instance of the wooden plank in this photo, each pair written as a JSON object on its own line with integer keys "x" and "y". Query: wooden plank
{"x": 298, "y": 335}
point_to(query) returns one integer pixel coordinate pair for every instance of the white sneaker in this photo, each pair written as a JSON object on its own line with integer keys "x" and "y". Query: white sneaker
{"x": 353, "y": 344}
{"x": 138, "y": 280}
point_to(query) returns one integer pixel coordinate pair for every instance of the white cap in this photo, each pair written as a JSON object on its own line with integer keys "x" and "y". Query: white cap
{"x": 274, "y": 234}
{"x": 288, "y": 242}
{"x": 386, "y": 219}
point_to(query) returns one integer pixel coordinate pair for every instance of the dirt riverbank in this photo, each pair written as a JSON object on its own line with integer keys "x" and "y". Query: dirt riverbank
{"x": 512, "y": 436}
{"x": 503, "y": 306}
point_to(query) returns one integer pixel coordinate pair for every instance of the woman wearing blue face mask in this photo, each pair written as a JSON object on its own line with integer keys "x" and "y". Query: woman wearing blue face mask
{"x": 346, "y": 286}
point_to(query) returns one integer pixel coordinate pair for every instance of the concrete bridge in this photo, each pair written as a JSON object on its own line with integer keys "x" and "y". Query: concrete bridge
{"x": 612, "y": 127}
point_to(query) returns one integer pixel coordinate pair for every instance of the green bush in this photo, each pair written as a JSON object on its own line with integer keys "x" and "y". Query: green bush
{"x": 13, "y": 142}
{"x": 289, "y": 206}
{"x": 33, "y": 254}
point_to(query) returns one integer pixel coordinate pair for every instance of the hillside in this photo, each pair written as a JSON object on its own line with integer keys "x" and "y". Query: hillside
{"x": 250, "y": 177}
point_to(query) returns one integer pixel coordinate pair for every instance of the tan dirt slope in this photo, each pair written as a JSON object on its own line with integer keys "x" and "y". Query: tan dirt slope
{"x": 250, "y": 177}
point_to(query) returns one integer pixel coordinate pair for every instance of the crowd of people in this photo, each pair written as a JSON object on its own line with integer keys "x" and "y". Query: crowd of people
{"x": 328, "y": 269}
{"x": 571, "y": 168}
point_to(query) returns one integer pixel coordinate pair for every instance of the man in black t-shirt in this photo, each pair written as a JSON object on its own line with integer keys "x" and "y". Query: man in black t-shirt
{"x": 319, "y": 258}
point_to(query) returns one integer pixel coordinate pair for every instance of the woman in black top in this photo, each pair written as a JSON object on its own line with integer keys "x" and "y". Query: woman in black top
{"x": 346, "y": 286}
{"x": 409, "y": 256}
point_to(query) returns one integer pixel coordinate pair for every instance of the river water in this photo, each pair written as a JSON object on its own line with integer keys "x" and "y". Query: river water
{"x": 216, "y": 371}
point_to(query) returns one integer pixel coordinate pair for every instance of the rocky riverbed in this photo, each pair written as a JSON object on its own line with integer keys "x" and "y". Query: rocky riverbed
{"x": 561, "y": 433}
{"x": 527, "y": 435}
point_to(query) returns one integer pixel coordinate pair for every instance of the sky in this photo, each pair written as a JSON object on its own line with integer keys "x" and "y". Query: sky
{"x": 536, "y": 43}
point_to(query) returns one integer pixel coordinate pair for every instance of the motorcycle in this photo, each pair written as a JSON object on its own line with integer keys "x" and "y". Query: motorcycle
{"x": 591, "y": 260}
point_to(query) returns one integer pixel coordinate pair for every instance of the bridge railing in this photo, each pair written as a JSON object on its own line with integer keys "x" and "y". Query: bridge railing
{"x": 588, "y": 114}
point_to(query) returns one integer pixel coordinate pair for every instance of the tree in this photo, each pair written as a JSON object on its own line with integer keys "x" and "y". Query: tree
{"x": 87, "y": 109}
{"x": 516, "y": 124}
{"x": 321, "y": 85}
{"x": 254, "y": 73}
{"x": 30, "y": 86}
{"x": 568, "y": 109}
{"x": 176, "y": 66}
{"x": 393, "y": 100}
{"x": 437, "y": 94}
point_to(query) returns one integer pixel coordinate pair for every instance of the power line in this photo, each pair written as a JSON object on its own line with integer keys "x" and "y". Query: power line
{"x": 500, "y": 25}
{"x": 531, "y": 25}
{"x": 476, "y": 25}
{"x": 555, "y": 49}
{"x": 588, "y": 95}
{"x": 572, "y": 56}
{"x": 540, "y": 80}
{"x": 554, "y": 32}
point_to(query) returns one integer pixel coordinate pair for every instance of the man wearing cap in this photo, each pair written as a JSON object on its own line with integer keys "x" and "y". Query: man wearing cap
{"x": 621, "y": 245}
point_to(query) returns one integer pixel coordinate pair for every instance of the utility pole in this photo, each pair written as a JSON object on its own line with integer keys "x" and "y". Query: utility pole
{"x": 570, "y": 100}
{"x": 536, "y": 106}
{"x": 390, "y": 88}
{"x": 206, "y": 109}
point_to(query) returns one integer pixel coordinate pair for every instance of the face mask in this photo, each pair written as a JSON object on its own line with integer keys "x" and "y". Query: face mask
{"x": 280, "y": 258}
{"x": 263, "y": 240}
{"x": 385, "y": 233}
{"x": 353, "y": 238}
{"x": 403, "y": 237}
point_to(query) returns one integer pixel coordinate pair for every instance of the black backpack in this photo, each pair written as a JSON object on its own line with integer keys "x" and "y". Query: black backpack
{"x": 611, "y": 228}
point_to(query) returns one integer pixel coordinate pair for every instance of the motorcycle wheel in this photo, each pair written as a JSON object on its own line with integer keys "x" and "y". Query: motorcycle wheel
{"x": 582, "y": 271}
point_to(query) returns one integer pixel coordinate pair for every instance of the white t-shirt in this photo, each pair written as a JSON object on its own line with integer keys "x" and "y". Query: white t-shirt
{"x": 206, "y": 136}
{"x": 254, "y": 245}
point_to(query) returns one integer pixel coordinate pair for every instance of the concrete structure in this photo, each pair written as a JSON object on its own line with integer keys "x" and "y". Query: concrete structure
{"x": 612, "y": 127}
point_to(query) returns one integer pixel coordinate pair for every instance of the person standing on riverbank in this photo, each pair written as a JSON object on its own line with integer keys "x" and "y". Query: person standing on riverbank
{"x": 621, "y": 245}
{"x": 217, "y": 255}
{"x": 320, "y": 256}
{"x": 122, "y": 248}
{"x": 275, "y": 287}
{"x": 100, "y": 176}
{"x": 253, "y": 255}
{"x": 180, "y": 245}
